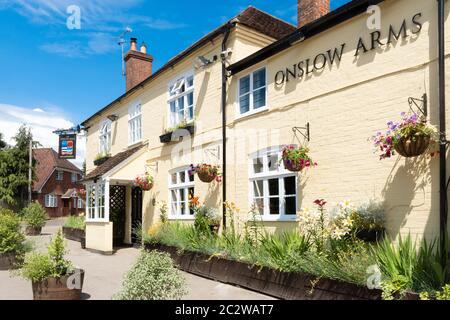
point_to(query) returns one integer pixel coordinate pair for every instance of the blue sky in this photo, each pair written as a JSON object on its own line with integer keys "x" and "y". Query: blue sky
{"x": 69, "y": 74}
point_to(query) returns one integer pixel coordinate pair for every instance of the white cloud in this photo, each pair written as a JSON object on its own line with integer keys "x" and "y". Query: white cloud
{"x": 42, "y": 123}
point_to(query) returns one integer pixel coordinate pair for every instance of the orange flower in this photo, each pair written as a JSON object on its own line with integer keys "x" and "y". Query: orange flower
{"x": 194, "y": 200}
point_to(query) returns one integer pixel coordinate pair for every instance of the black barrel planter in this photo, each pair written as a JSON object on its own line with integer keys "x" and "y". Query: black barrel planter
{"x": 101, "y": 161}
{"x": 370, "y": 235}
{"x": 8, "y": 260}
{"x": 60, "y": 288}
{"x": 282, "y": 285}
{"x": 75, "y": 235}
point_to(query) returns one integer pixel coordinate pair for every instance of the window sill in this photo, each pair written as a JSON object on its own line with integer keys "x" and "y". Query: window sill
{"x": 97, "y": 221}
{"x": 251, "y": 113}
{"x": 134, "y": 144}
{"x": 280, "y": 219}
{"x": 181, "y": 218}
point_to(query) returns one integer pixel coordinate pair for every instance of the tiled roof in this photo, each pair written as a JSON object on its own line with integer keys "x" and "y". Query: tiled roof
{"x": 47, "y": 160}
{"x": 265, "y": 23}
{"x": 251, "y": 17}
{"x": 112, "y": 162}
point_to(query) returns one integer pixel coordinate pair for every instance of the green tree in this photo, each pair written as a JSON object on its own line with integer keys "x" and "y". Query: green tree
{"x": 14, "y": 165}
{"x": 2, "y": 142}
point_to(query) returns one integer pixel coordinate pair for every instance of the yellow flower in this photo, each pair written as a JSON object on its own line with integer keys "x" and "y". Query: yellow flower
{"x": 154, "y": 229}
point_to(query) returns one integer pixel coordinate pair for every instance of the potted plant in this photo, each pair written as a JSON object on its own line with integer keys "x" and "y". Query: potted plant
{"x": 12, "y": 239}
{"x": 206, "y": 173}
{"x": 52, "y": 276}
{"x": 296, "y": 159}
{"x": 144, "y": 181}
{"x": 411, "y": 137}
{"x": 101, "y": 158}
{"x": 206, "y": 219}
{"x": 35, "y": 216}
{"x": 74, "y": 229}
{"x": 368, "y": 221}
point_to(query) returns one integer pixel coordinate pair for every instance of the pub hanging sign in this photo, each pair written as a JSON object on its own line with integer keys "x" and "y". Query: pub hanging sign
{"x": 68, "y": 146}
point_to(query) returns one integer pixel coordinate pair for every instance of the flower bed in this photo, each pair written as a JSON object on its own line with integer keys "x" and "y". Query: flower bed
{"x": 282, "y": 285}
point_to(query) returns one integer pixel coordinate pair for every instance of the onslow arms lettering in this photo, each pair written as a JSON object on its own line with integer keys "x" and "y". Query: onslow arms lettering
{"x": 308, "y": 66}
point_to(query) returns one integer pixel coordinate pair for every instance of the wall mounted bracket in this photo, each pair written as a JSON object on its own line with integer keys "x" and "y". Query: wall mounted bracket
{"x": 419, "y": 104}
{"x": 304, "y": 131}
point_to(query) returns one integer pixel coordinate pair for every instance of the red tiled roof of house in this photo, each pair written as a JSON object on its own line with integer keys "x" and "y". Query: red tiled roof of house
{"x": 47, "y": 160}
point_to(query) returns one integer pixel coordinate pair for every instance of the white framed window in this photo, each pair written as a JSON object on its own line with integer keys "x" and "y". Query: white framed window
{"x": 134, "y": 124}
{"x": 252, "y": 92}
{"x": 59, "y": 175}
{"x": 95, "y": 201}
{"x": 74, "y": 177}
{"x": 51, "y": 201}
{"x": 181, "y": 188}
{"x": 105, "y": 137}
{"x": 273, "y": 189}
{"x": 78, "y": 203}
{"x": 181, "y": 100}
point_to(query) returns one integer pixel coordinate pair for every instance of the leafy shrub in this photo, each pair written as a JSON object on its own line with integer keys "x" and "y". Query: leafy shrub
{"x": 11, "y": 236}
{"x": 38, "y": 266}
{"x": 75, "y": 222}
{"x": 35, "y": 215}
{"x": 153, "y": 277}
{"x": 369, "y": 216}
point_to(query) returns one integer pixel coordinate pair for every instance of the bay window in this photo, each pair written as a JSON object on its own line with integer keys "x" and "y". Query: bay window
{"x": 181, "y": 100}
{"x": 134, "y": 124}
{"x": 97, "y": 197}
{"x": 273, "y": 189}
{"x": 252, "y": 92}
{"x": 181, "y": 189}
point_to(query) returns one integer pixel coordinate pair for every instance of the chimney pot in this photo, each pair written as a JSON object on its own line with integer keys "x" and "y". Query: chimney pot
{"x": 133, "y": 42}
{"x": 310, "y": 10}
{"x": 143, "y": 48}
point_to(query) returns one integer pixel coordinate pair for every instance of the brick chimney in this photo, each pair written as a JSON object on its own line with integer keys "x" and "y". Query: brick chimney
{"x": 138, "y": 64}
{"x": 310, "y": 10}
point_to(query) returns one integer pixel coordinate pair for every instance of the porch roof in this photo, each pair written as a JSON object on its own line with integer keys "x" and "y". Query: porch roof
{"x": 112, "y": 162}
{"x": 69, "y": 194}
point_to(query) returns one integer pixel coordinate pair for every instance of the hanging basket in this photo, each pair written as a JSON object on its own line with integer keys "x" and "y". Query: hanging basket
{"x": 409, "y": 148}
{"x": 292, "y": 166}
{"x": 146, "y": 187}
{"x": 206, "y": 176}
{"x": 145, "y": 182}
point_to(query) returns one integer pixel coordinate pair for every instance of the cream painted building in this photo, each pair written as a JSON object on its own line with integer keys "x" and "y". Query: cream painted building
{"x": 334, "y": 75}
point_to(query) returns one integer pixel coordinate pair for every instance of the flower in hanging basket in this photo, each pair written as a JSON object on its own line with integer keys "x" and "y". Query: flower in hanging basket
{"x": 206, "y": 173}
{"x": 144, "y": 181}
{"x": 410, "y": 137}
{"x": 296, "y": 159}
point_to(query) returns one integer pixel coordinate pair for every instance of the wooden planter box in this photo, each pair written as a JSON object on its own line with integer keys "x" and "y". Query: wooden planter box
{"x": 282, "y": 285}
{"x": 170, "y": 136}
{"x": 57, "y": 289}
{"x": 33, "y": 231}
{"x": 8, "y": 260}
{"x": 75, "y": 235}
{"x": 101, "y": 161}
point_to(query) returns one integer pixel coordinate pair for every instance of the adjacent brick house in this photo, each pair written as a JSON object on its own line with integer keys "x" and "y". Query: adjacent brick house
{"x": 56, "y": 184}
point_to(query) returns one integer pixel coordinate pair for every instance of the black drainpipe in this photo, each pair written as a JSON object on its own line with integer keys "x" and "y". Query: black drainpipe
{"x": 443, "y": 139}
{"x": 224, "y": 122}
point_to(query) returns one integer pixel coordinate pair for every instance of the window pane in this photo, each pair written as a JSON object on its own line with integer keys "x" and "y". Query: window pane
{"x": 183, "y": 177}
{"x": 174, "y": 178}
{"x": 190, "y": 99}
{"x": 259, "y": 98}
{"x": 182, "y": 195}
{"x": 244, "y": 104}
{"x": 290, "y": 205}
{"x": 289, "y": 186}
{"x": 272, "y": 161}
{"x": 259, "y": 203}
{"x": 244, "y": 85}
{"x": 274, "y": 205}
{"x": 191, "y": 178}
{"x": 258, "y": 187}
{"x": 273, "y": 187}
{"x": 258, "y": 165}
{"x": 190, "y": 81}
{"x": 191, "y": 113}
{"x": 259, "y": 79}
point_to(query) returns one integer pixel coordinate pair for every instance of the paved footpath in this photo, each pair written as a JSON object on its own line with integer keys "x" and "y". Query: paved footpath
{"x": 104, "y": 275}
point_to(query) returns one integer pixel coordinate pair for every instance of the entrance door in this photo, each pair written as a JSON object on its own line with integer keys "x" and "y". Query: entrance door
{"x": 117, "y": 211}
{"x": 136, "y": 211}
